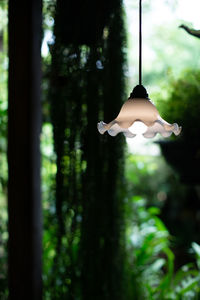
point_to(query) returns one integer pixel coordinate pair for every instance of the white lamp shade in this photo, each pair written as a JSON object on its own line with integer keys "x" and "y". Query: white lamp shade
{"x": 139, "y": 116}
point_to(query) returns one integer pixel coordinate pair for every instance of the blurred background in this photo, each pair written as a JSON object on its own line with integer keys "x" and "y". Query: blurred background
{"x": 121, "y": 217}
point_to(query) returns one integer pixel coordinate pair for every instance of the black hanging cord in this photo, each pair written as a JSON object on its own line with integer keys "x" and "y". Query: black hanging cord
{"x": 139, "y": 91}
{"x": 140, "y": 42}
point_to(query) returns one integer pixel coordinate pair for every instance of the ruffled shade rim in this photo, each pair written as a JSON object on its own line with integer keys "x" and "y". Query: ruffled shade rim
{"x": 159, "y": 126}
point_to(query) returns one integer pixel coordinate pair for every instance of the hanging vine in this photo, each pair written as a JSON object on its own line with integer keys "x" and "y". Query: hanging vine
{"x": 86, "y": 81}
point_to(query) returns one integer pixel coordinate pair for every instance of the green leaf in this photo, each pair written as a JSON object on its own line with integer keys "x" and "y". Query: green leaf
{"x": 191, "y": 285}
{"x": 196, "y": 248}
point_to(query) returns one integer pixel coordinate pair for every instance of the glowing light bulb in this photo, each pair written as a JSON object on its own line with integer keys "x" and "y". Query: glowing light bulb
{"x": 138, "y": 128}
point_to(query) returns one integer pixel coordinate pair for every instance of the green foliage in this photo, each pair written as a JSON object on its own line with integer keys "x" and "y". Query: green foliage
{"x": 151, "y": 261}
{"x": 167, "y": 61}
{"x": 3, "y": 150}
{"x": 181, "y": 103}
{"x": 147, "y": 175}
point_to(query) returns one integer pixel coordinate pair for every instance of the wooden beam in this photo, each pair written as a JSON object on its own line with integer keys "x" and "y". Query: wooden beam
{"x": 24, "y": 125}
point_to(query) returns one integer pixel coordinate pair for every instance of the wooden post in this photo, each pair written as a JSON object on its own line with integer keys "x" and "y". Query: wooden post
{"x": 24, "y": 125}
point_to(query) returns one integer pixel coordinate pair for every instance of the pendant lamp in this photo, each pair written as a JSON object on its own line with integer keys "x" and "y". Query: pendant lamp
{"x": 138, "y": 114}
